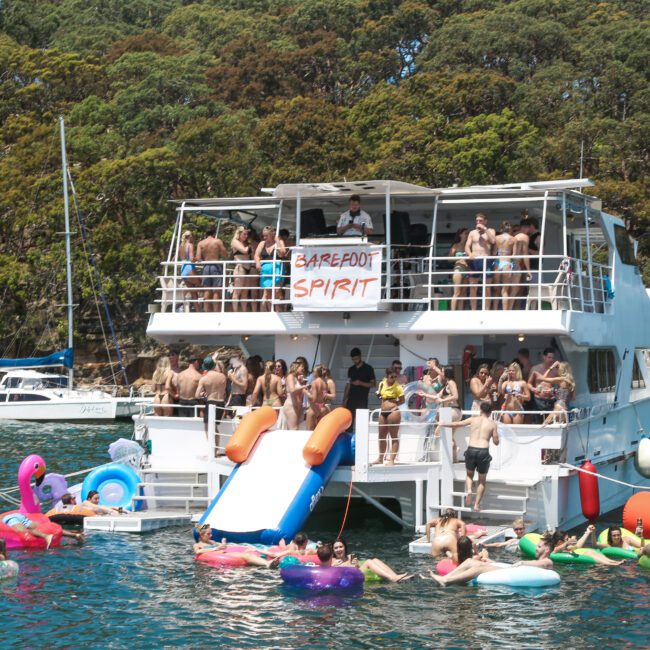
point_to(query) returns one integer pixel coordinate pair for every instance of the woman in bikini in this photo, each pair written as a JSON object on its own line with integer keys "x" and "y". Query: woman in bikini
{"x": 505, "y": 265}
{"x": 391, "y": 393}
{"x": 448, "y": 396}
{"x": 448, "y": 529}
{"x": 291, "y": 412}
{"x": 515, "y": 393}
{"x": 269, "y": 386}
{"x": 243, "y": 254}
{"x": 564, "y": 391}
{"x": 207, "y": 545}
{"x": 481, "y": 386}
{"x": 457, "y": 251}
{"x": 341, "y": 557}
{"x": 161, "y": 395}
{"x": 188, "y": 269}
{"x": 268, "y": 256}
{"x": 280, "y": 369}
{"x": 317, "y": 398}
{"x": 331, "y": 388}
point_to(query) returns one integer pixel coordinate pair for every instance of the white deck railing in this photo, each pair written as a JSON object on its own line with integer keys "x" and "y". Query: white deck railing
{"x": 408, "y": 284}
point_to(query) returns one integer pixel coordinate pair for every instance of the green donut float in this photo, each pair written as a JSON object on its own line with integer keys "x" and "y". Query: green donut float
{"x": 619, "y": 553}
{"x": 602, "y": 538}
{"x": 644, "y": 561}
{"x": 528, "y": 545}
{"x": 371, "y": 576}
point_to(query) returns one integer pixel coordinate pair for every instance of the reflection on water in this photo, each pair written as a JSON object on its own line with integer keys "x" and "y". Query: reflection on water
{"x": 146, "y": 591}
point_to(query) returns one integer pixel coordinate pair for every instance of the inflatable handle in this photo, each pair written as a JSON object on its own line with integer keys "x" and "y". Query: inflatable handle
{"x": 248, "y": 431}
{"x": 325, "y": 434}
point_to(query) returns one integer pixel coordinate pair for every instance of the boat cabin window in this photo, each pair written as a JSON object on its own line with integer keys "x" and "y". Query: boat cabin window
{"x": 28, "y": 397}
{"x": 638, "y": 381}
{"x": 13, "y": 382}
{"x": 601, "y": 371}
{"x": 624, "y": 245}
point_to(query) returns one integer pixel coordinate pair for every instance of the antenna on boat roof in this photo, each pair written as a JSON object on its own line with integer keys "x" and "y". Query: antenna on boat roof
{"x": 582, "y": 155}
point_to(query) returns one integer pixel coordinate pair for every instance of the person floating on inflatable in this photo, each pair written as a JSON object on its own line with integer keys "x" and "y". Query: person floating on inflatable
{"x": 341, "y": 557}
{"x": 568, "y": 544}
{"x": 207, "y": 545}
{"x": 92, "y": 503}
{"x": 473, "y": 567}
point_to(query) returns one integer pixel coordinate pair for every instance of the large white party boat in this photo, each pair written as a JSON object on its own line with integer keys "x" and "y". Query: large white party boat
{"x": 390, "y": 294}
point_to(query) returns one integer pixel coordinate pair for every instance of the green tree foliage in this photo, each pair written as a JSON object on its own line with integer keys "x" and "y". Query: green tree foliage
{"x": 166, "y": 99}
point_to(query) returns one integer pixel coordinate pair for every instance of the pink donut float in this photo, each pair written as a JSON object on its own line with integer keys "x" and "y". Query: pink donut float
{"x": 445, "y": 566}
{"x": 32, "y": 466}
{"x": 229, "y": 557}
{"x": 475, "y": 530}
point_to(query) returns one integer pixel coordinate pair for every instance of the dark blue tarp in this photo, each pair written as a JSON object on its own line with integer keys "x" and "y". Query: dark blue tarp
{"x": 61, "y": 358}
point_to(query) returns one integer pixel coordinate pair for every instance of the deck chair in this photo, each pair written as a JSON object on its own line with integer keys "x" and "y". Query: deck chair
{"x": 555, "y": 294}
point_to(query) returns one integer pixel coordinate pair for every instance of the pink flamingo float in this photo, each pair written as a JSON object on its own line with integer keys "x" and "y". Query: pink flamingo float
{"x": 32, "y": 467}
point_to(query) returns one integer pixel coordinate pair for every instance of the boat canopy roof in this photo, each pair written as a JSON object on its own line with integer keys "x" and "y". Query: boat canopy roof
{"x": 61, "y": 358}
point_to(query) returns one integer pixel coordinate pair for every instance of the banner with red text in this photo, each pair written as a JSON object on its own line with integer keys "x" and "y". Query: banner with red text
{"x": 341, "y": 278}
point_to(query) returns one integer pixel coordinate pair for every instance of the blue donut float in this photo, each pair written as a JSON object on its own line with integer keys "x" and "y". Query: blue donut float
{"x": 519, "y": 576}
{"x": 117, "y": 484}
{"x": 323, "y": 578}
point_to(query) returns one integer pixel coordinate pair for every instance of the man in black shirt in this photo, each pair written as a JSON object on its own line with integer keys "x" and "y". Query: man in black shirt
{"x": 361, "y": 378}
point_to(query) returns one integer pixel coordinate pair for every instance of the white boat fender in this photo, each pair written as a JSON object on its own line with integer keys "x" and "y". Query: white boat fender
{"x": 642, "y": 457}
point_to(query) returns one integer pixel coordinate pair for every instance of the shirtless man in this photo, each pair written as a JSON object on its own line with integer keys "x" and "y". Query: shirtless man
{"x": 209, "y": 251}
{"x": 238, "y": 378}
{"x": 521, "y": 248}
{"x": 480, "y": 243}
{"x": 212, "y": 390}
{"x": 448, "y": 529}
{"x": 187, "y": 382}
{"x": 542, "y": 391}
{"x": 477, "y": 457}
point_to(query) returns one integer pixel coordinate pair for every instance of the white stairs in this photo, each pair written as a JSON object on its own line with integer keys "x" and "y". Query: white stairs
{"x": 174, "y": 489}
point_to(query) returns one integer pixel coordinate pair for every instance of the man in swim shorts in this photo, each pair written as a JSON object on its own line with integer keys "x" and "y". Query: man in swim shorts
{"x": 212, "y": 390}
{"x": 187, "y": 382}
{"x": 477, "y": 457}
{"x": 480, "y": 244}
{"x": 209, "y": 251}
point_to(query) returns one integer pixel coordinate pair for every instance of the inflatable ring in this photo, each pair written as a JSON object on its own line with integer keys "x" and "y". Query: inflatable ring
{"x": 644, "y": 561}
{"x": 323, "y": 578}
{"x": 221, "y": 559}
{"x": 8, "y": 569}
{"x": 117, "y": 484}
{"x": 528, "y": 546}
{"x": 520, "y": 576}
{"x": 619, "y": 553}
{"x": 14, "y": 539}
{"x": 73, "y": 517}
{"x": 370, "y": 576}
{"x": 445, "y": 566}
{"x": 427, "y": 411}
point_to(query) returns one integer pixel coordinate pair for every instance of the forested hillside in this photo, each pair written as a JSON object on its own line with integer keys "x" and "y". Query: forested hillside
{"x": 166, "y": 99}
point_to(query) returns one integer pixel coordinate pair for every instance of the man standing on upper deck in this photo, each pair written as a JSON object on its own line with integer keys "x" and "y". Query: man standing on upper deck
{"x": 480, "y": 243}
{"x": 361, "y": 378}
{"x": 209, "y": 251}
{"x": 354, "y": 222}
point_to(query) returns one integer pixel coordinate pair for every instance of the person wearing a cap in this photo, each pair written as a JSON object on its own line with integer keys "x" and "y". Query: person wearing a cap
{"x": 187, "y": 382}
{"x": 212, "y": 390}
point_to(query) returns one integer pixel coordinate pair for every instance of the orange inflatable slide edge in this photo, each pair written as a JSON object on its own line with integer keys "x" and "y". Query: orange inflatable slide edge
{"x": 325, "y": 434}
{"x": 248, "y": 431}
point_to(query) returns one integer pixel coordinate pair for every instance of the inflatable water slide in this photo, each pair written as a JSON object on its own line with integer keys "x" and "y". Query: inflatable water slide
{"x": 279, "y": 477}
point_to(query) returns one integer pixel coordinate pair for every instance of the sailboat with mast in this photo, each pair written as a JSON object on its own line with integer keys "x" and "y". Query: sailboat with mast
{"x": 28, "y": 393}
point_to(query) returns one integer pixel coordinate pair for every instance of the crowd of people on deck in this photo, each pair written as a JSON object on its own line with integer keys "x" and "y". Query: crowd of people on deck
{"x": 502, "y": 264}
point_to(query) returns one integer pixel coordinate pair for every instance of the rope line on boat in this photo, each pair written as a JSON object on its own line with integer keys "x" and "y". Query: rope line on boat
{"x": 347, "y": 508}
{"x": 606, "y": 478}
{"x": 5, "y": 491}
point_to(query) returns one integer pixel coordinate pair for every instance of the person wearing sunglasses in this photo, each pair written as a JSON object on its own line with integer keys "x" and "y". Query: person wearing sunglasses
{"x": 512, "y": 544}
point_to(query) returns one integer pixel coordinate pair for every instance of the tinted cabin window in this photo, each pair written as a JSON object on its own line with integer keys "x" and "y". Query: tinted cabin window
{"x": 601, "y": 371}
{"x": 28, "y": 397}
{"x": 624, "y": 245}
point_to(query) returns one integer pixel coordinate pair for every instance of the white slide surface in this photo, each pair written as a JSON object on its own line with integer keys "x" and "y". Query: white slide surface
{"x": 265, "y": 485}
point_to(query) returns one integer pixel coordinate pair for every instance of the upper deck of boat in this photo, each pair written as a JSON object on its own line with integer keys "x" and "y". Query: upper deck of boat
{"x": 400, "y": 278}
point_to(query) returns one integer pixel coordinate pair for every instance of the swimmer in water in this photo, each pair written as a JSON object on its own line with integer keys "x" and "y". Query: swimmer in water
{"x": 207, "y": 545}
{"x": 448, "y": 529}
{"x": 343, "y": 558}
